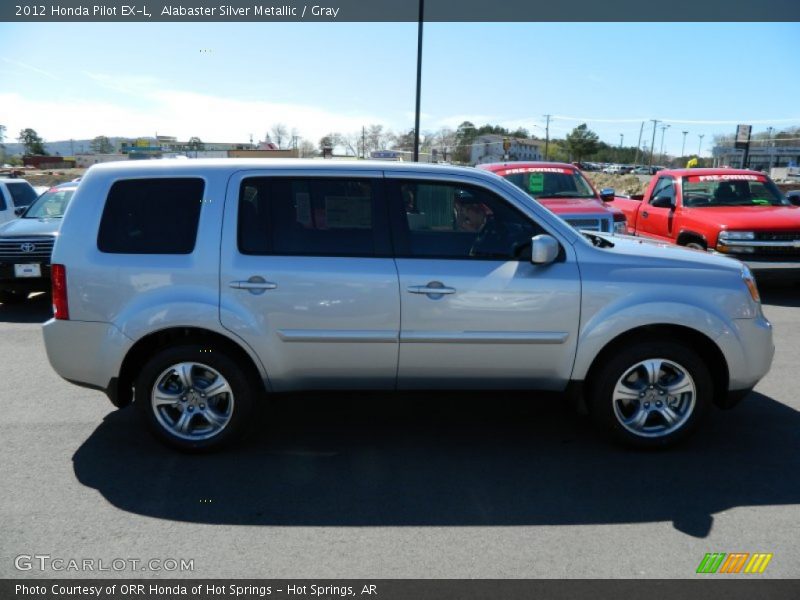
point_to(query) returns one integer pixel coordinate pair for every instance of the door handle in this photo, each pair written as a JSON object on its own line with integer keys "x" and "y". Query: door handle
{"x": 255, "y": 285}
{"x": 644, "y": 214}
{"x": 434, "y": 288}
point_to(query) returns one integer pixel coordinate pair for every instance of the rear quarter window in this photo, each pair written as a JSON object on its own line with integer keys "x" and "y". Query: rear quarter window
{"x": 151, "y": 216}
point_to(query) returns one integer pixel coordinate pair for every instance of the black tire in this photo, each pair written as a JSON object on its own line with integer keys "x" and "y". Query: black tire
{"x": 244, "y": 391}
{"x": 11, "y": 297}
{"x": 696, "y": 246}
{"x": 608, "y": 411}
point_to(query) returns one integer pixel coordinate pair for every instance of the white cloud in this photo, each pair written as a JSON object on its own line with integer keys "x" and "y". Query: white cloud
{"x": 149, "y": 109}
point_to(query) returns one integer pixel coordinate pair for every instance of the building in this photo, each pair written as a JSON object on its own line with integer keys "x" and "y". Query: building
{"x": 48, "y": 162}
{"x": 489, "y": 148}
{"x": 760, "y": 158}
{"x": 84, "y": 161}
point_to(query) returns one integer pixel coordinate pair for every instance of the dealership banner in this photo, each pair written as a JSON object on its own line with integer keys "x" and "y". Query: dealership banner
{"x": 404, "y": 589}
{"x": 392, "y": 10}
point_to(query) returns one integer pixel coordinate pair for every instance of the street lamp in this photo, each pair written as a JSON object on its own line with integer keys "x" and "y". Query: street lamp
{"x": 419, "y": 79}
{"x": 663, "y": 129}
{"x": 700, "y": 146}
{"x": 683, "y": 146}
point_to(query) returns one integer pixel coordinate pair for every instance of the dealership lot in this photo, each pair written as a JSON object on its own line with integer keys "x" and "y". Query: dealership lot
{"x": 469, "y": 485}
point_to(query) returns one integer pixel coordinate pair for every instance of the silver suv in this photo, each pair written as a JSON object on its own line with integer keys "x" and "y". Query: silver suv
{"x": 197, "y": 288}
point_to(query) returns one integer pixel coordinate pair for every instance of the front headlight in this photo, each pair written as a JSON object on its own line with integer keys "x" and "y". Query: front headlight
{"x": 727, "y": 236}
{"x": 750, "y": 282}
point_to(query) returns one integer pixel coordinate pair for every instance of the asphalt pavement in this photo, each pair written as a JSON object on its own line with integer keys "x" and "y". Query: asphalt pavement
{"x": 391, "y": 486}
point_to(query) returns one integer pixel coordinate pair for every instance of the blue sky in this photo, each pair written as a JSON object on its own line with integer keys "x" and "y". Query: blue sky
{"x": 224, "y": 81}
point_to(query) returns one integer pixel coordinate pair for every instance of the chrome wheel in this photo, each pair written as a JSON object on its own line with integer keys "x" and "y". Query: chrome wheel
{"x": 192, "y": 401}
{"x": 654, "y": 398}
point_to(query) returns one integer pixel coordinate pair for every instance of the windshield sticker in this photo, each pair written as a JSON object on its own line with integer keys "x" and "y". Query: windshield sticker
{"x": 539, "y": 170}
{"x": 536, "y": 183}
{"x": 697, "y": 178}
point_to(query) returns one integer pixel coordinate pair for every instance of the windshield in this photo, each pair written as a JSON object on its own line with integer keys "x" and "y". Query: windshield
{"x": 731, "y": 190}
{"x": 50, "y": 205}
{"x": 550, "y": 182}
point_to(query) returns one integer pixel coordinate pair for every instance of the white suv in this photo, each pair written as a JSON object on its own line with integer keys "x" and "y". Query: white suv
{"x": 195, "y": 288}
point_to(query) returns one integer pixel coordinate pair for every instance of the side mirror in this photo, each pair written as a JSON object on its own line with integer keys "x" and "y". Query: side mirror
{"x": 544, "y": 249}
{"x": 607, "y": 194}
{"x": 663, "y": 202}
{"x": 19, "y": 210}
{"x": 794, "y": 197}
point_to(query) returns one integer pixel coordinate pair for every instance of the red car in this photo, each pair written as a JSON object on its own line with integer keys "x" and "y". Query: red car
{"x": 736, "y": 212}
{"x": 563, "y": 189}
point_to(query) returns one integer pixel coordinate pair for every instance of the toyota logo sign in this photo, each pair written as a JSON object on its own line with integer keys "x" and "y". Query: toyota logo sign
{"x": 27, "y": 247}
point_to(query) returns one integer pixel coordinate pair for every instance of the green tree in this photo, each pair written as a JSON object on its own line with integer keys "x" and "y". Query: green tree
{"x": 582, "y": 142}
{"x": 34, "y": 145}
{"x": 101, "y": 145}
{"x": 557, "y": 151}
{"x": 2, "y": 145}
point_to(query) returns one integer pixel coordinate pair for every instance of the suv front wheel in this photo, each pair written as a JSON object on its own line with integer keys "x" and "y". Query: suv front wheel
{"x": 651, "y": 394}
{"x": 193, "y": 398}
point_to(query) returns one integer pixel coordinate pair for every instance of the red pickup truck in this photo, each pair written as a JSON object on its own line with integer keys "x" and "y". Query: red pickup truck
{"x": 734, "y": 212}
{"x": 563, "y": 189}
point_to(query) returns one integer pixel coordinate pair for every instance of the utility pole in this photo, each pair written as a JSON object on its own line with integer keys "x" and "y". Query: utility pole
{"x": 700, "y": 146}
{"x": 639, "y": 144}
{"x": 547, "y": 138}
{"x": 771, "y": 146}
{"x": 419, "y": 78}
{"x": 621, "y": 137}
{"x": 653, "y": 143}
{"x": 683, "y": 146}
{"x": 661, "y": 153}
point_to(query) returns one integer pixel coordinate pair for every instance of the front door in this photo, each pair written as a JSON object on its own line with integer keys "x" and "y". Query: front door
{"x": 657, "y": 222}
{"x": 474, "y": 311}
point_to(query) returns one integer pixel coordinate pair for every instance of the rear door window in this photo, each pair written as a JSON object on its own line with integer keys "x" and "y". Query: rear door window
{"x": 312, "y": 217}
{"x": 151, "y": 216}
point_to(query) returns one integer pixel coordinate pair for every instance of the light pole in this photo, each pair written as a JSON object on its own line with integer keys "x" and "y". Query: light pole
{"x": 621, "y": 137}
{"x": 683, "y": 146}
{"x": 661, "y": 152}
{"x": 700, "y": 146}
{"x": 638, "y": 144}
{"x": 419, "y": 79}
{"x": 653, "y": 143}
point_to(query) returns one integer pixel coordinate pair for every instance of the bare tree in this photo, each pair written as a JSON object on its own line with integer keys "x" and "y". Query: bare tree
{"x": 307, "y": 149}
{"x": 279, "y": 134}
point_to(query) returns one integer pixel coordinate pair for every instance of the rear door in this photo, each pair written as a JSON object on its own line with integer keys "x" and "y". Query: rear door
{"x": 474, "y": 311}
{"x": 656, "y": 222}
{"x": 307, "y": 277}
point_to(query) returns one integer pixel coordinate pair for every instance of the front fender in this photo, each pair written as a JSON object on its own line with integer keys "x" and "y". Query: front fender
{"x": 615, "y": 320}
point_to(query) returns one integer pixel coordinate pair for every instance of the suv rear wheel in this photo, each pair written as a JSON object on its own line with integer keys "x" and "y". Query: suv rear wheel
{"x": 651, "y": 393}
{"x": 193, "y": 398}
